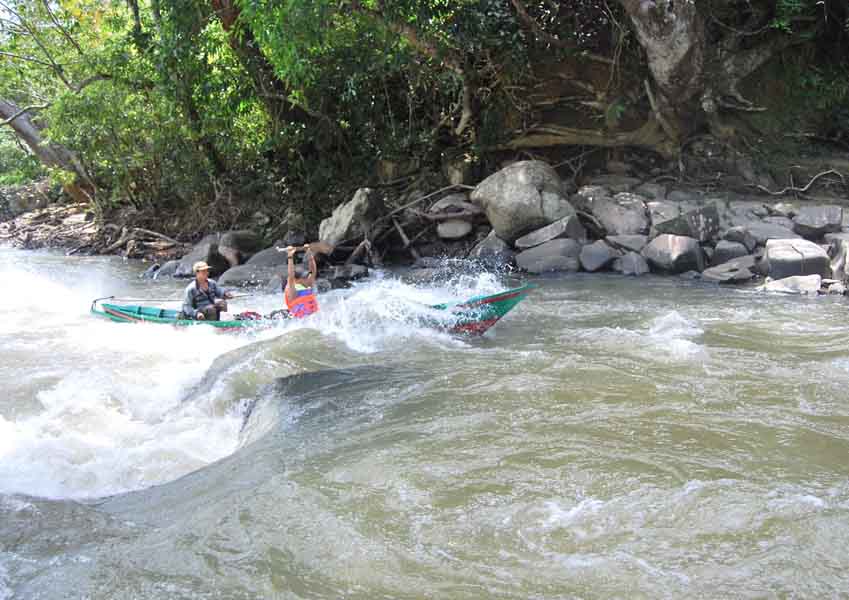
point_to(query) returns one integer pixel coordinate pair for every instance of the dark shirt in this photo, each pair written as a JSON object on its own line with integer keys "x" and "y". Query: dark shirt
{"x": 196, "y": 299}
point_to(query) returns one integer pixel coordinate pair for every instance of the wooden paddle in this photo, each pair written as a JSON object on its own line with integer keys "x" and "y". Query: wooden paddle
{"x": 318, "y": 247}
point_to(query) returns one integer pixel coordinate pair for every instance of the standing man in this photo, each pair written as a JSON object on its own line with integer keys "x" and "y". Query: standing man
{"x": 204, "y": 299}
{"x": 298, "y": 293}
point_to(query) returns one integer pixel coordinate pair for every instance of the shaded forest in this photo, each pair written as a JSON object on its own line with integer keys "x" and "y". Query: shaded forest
{"x": 196, "y": 114}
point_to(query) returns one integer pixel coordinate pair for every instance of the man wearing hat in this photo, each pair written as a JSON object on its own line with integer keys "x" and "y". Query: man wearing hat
{"x": 204, "y": 299}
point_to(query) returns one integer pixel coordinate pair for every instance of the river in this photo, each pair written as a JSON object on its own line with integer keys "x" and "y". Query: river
{"x": 611, "y": 437}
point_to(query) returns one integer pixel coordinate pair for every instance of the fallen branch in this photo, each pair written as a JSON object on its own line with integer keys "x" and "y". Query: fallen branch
{"x": 405, "y": 239}
{"x": 390, "y": 214}
{"x": 804, "y": 189}
{"x": 153, "y": 234}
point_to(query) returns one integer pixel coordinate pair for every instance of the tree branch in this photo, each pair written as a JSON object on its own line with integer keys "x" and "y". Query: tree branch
{"x": 537, "y": 29}
{"x": 22, "y": 111}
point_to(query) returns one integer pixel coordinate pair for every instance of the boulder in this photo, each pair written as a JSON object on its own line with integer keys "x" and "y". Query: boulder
{"x": 700, "y": 223}
{"x": 525, "y": 196}
{"x": 615, "y": 183}
{"x": 597, "y": 256}
{"x": 797, "y": 284}
{"x": 353, "y": 219}
{"x": 652, "y": 191}
{"x": 347, "y": 273}
{"x": 813, "y": 222}
{"x": 786, "y": 258}
{"x": 632, "y": 264}
{"x": 628, "y": 243}
{"x": 625, "y": 214}
{"x": 248, "y": 275}
{"x": 556, "y": 255}
{"x": 567, "y": 227}
{"x": 737, "y": 270}
{"x": 167, "y": 270}
{"x": 270, "y": 257}
{"x": 741, "y": 235}
{"x": 207, "y": 251}
{"x": 763, "y": 232}
{"x": 238, "y": 246}
{"x": 453, "y": 229}
{"x": 780, "y": 221}
{"x": 674, "y": 253}
{"x": 454, "y": 203}
{"x": 838, "y": 251}
{"x": 725, "y": 251}
{"x": 492, "y": 251}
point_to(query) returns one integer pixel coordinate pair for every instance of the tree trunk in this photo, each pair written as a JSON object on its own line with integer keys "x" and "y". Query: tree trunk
{"x": 674, "y": 39}
{"x": 51, "y": 155}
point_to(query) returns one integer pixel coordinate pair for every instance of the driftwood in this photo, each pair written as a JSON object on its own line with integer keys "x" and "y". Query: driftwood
{"x": 803, "y": 189}
{"x": 405, "y": 239}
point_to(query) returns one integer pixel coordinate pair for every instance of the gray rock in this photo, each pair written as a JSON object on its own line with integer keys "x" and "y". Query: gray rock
{"x": 763, "y": 232}
{"x": 615, "y": 183}
{"x": 797, "y": 284}
{"x": 597, "y": 256}
{"x": 453, "y": 229}
{"x": 782, "y": 209}
{"x": 623, "y": 215}
{"x": 838, "y": 252}
{"x": 790, "y": 257}
{"x": 522, "y": 197}
{"x": 347, "y": 273}
{"x": 674, "y": 253}
{"x": 151, "y": 271}
{"x": 454, "y": 203}
{"x": 837, "y": 289}
{"x": 633, "y": 264}
{"x": 780, "y": 221}
{"x": 701, "y": 224}
{"x": 238, "y": 246}
{"x": 270, "y": 257}
{"x": 741, "y": 235}
{"x": 248, "y": 275}
{"x": 567, "y": 227}
{"x": 492, "y": 251}
{"x": 633, "y": 243}
{"x": 737, "y": 270}
{"x": 430, "y": 275}
{"x": 168, "y": 269}
{"x": 207, "y": 251}
{"x": 812, "y": 222}
{"x": 556, "y": 255}
{"x": 726, "y": 251}
{"x": 652, "y": 191}
{"x": 353, "y": 219}
{"x": 831, "y": 237}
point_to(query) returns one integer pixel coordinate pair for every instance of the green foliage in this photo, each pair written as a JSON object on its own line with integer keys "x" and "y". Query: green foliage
{"x": 16, "y": 164}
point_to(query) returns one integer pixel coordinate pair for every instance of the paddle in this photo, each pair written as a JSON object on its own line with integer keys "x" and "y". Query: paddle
{"x": 318, "y": 247}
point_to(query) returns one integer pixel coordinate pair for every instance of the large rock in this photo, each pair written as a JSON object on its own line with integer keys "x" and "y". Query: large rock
{"x": 168, "y": 269}
{"x": 631, "y": 264}
{"x": 454, "y": 203}
{"x": 763, "y": 232}
{"x": 625, "y": 214}
{"x": 556, "y": 255}
{"x": 248, "y": 275}
{"x": 597, "y": 256}
{"x": 798, "y": 284}
{"x": 353, "y": 219}
{"x": 567, "y": 227}
{"x": 522, "y": 197}
{"x": 737, "y": 270}
{"x": 813, "y": 222}
{"x": 270, "y": 257}
{"x": 786, "y": 258}
{"x": 701, "y": 223}
{"x": 838, "y": 252}
{"x": 741, "y": 235}
{"x": 628, "y": 243}
{"x": 615, "y": 183}
{"x": 453, "y": 229}
{"x": 207, "y": 251}
{"x": 674, "y": 254}
{"x": 726, "y": 251}
{"x": 238, "y": 246}
{"x": 492, "y": 252}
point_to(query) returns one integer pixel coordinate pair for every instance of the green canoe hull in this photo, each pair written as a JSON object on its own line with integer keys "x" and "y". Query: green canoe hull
{"x": 473, "y": 316}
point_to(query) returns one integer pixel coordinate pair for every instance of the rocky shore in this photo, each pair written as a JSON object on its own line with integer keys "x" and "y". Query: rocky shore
{"x": 523, "y": 217}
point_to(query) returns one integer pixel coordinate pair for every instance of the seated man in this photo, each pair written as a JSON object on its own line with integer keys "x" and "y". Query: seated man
{"x": 204, "y": 299}
{"x": 298, "y": 292}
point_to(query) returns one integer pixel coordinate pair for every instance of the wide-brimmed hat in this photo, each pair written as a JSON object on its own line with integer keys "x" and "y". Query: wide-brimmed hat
{"x": 200, "y": 266}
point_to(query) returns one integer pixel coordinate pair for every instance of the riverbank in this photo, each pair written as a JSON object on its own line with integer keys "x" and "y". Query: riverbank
{"x": 523, "y": 217}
